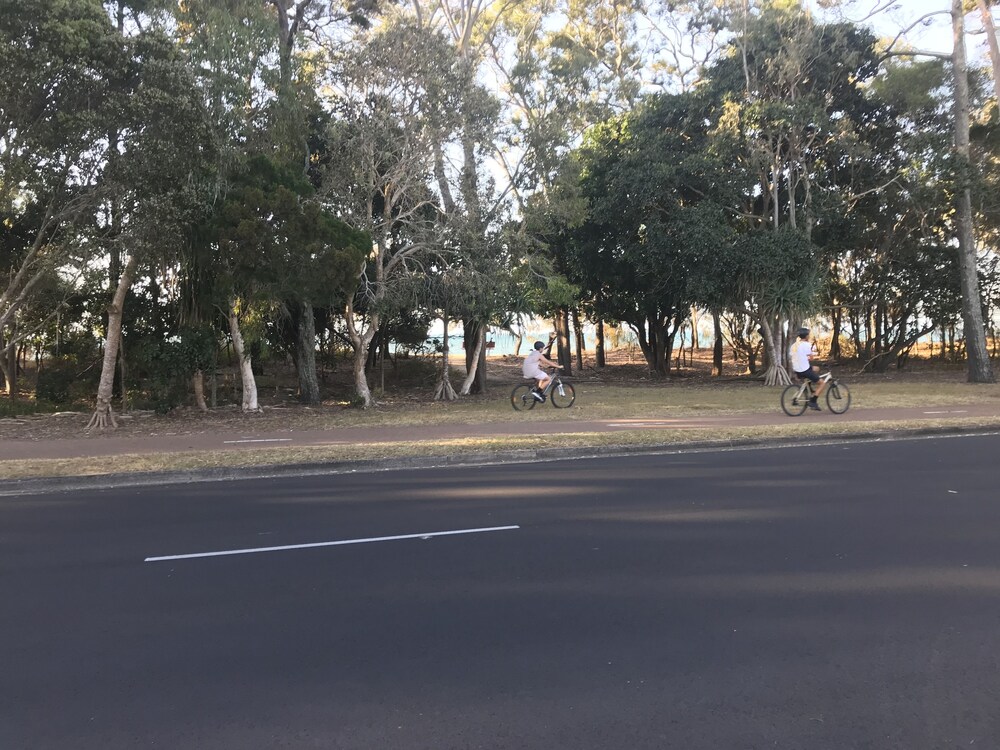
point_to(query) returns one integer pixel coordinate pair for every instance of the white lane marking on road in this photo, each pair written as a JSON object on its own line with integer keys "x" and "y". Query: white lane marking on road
{"x": 258, "y": 440}
{"x": 426, "y": 535}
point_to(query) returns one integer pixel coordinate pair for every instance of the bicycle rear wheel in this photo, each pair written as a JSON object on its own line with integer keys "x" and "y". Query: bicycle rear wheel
{"x": 521, "y": 398}
{"x": 562, "y": 395}
{"x": 792, "y": 403}
{"x": 838, "y": 398}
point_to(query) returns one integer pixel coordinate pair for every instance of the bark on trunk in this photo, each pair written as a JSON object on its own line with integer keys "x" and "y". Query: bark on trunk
{"x": 578, "y": 335}
{"x": 5, "y": 379}
{"x": 599, "y": 346}
{"x": 445, "y": 391}
{"x": 775, "y": 374}
{"x": 470, "y": 377}
{"x": 103, "y": 414}
{"x": 198, "y": 385}
{"x": 565, "y": 357}
{"x": 475, "y": 355}
{"x": 249, "y": 383}
{"x": 360, "y": 342}
{"x": 717, "y": 346}
{"x": 305, "y": 354}
{"x": 838, "y": 322}
{"x": 991, "y": 40}
{"x": 980, "y": 370}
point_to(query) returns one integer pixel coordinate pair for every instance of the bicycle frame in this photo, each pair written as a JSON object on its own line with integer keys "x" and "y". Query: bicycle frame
{"x": 807, "y": 385}
{"x": 554, "y": 380}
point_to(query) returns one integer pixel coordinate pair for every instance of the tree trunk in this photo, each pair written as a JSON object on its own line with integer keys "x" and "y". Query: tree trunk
{"x": 991, "y": 41}
{"x": 474, "y": 332}
{"x": 103, "y": 414}
{"x": 249, "y": 383}
{"x": 775, "y": 374}
{"x": 838, "y": 322}
{"x": 578, "y": 334}
{"x": 359, "y": 343}
{"x": 198, "y": 385}
{"x": 5, "y": 377}
{"x": 565, "y": 357}
{"x": 717, "y": 346}
{"x": 305, "y": 355}
{"x": 445, "y": 391}
{"x": 599, "y": 346}
{"x": 980, "y": 370}
{"x": 470, "y": 376}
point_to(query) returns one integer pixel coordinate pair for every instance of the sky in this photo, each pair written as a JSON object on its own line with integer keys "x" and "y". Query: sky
{"x": 935, "y": 37}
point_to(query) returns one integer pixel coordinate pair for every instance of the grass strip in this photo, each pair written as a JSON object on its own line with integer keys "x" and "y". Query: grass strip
{"x": 470, "y": 447}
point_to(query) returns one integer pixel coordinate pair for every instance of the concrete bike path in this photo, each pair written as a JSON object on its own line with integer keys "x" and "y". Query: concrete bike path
{"x": 110, "y": 444}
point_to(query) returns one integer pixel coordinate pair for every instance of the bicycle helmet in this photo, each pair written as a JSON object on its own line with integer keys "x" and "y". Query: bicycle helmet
{"x": 803, "y": 333}
{"x": 539, "y": 345}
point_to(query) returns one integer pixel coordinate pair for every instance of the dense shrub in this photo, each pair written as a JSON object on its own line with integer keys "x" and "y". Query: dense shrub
{"x": 166, "y": 367}
{"x": 64, "y": 380}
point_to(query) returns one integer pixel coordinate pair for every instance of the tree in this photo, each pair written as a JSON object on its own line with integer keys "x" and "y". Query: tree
{"x": 280, "y": 244}
{"x": 791, "y": 134}
{"x": 654, "y": 219}
{"x": 394, "y": 106}
{"x": 57, "y": 101}
{"x": 980, "y": 370}
{"x": 161, "y": 141}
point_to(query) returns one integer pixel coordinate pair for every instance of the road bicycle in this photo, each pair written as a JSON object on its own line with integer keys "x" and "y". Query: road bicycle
{"x": 795, "y": 398}
{"x": 560, "y": 393}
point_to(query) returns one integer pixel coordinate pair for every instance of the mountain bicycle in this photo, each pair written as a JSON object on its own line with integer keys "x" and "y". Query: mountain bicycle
{"x": 795, "y": 398}
{"x": 559, "y": 392}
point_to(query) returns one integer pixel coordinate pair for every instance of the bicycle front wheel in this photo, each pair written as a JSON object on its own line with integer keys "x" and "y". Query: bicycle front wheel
{"x": 521, "y": 398}
{"x": 792, "y": 403}
{"x": 562, "y": 395}
{"x": 838, "y": 398}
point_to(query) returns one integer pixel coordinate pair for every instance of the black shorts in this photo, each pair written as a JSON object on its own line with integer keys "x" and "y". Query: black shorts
{"x": 809, "y": 374}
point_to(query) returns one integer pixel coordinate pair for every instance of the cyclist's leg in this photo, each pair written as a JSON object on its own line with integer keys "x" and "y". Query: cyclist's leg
{"x": 819, "y": 385}
{"x": 811, "y": 378}
{"x": 541, "y": 381}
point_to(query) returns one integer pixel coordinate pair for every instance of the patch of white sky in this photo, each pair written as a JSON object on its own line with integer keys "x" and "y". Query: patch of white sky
{"x": 923, "y": 24}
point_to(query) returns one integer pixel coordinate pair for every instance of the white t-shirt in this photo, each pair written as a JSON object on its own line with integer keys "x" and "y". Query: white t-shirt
{"x": 800, "y": 352}
{"x": 531, "y": 367}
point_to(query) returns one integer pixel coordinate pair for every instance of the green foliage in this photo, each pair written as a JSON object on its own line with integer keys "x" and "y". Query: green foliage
{"x": 166, "y": 367}
{"x": 64, "y": 380}
{"x": 278, "y": 243}
{"x": 778, "y": 272}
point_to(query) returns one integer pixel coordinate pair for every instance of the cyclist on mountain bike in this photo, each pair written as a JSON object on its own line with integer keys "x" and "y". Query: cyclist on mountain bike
{"x": 802, "y": 353}
{"x": 532, "y": 369}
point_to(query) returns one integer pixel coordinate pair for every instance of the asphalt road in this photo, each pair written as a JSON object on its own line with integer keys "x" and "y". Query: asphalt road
{"x": 812, "y": 598}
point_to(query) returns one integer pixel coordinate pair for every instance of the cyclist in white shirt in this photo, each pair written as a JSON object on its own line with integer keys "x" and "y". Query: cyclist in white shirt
{"x": 801, "y": 353}
{"x": 532, "y": 369}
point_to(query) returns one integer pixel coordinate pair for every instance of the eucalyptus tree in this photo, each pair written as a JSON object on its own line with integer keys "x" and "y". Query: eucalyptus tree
{"x": 393, "y": 101}
{"x": 980, "y": 369}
